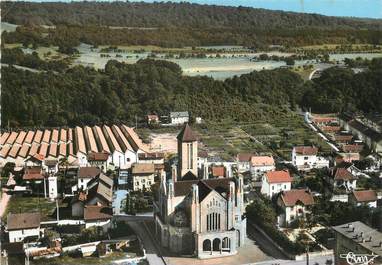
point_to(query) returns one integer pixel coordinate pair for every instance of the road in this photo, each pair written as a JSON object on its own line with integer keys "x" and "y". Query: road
{"x": 322, "y": 260}
{"x": 151, "y": 251}
{"x": 264, "y": 244}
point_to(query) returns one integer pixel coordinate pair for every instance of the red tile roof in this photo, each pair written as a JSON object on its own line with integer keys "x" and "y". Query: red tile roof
{"x": 244, "y": 157}
{"x": 218, "y": 171}
{"x": 331, "y": 128}
{"x": 98, "y": 156}
{"x": 33, "y": 173}
{"x": 97, "y": 213}
{"x": 88, "y": 172}
{"x": 262, "y": 161}
{"x": 23, "y": 221}
{"x": 352, "y": 148}
{"x": 365, "y": 195}
{"x": 292, "y": 197}
{"x": 306, "y": 150}
{"x": 278, "y": 176}
{"x": 343, "y": 174}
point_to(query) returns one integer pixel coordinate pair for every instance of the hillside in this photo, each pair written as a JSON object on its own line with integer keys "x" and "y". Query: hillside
{"x": 167, "y": 14}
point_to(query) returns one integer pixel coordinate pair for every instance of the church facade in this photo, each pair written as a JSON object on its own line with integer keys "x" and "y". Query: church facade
{"x": 199, "y": 217}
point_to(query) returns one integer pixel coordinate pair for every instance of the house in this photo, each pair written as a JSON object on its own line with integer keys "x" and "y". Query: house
{"x": 261, "y": 164}
{"x": 244, "y": 162}
{"x": 362, "y": 131}
{"x": 218, "y": 172}
{"x": 364, "y": 197}
{"x": 152, "y": 119}
{"x": 341, "y": 177}
{"x": 99, "y": 159}
{"x": 294, "y": 204}
{"x": 305, "y": 158}
{"x": 178, "y": 118}
{"x": 152, "y": 158}
{"x": 84, "y": 175}
{"x": 95, "y": 215}
{"x": 360, "y": 239}
{"x": 35, "y": 180}
{"x": 143, "y": 176}
{"x": 23, "y": 226}
{"x": 275, "y": 181}
{"x": 99, "y": 192}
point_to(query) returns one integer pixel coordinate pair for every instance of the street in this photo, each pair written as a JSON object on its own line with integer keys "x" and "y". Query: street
{"x": 151, "y": 252}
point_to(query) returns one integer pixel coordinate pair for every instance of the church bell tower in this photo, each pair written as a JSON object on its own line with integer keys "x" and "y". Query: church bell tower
{"x": 187, "y": 152}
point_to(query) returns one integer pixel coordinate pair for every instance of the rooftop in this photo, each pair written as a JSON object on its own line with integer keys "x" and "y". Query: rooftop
{"x": 278, "y": 176}
{"x": 95, "y": 212}
{"x": 143, "y": 168}
{"x": 186, "y": 134}
{"x": 365, "y": 195}
{"x": 88, "y": 172}
{"x": 293, "y": 197}
{"x": 361, "y": 234}
{"x": 306, "y": 150}
{"x": 262, "y": 161}
{"x": 23, "y": 220}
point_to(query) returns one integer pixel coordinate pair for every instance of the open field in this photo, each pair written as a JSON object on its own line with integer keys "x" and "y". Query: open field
{"x": 226, "y": 139}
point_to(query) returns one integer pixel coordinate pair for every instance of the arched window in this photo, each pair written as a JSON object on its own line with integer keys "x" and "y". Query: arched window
{"x": 207, "y": 245}
{"x": 213, "y": 221}
{"x": 216, "y": 244}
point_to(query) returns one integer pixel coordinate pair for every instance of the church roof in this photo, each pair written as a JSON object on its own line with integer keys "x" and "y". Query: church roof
{"x": 189, "y": 176}
{"x": 182, "y": 188}
{"x": 186, "y": 134}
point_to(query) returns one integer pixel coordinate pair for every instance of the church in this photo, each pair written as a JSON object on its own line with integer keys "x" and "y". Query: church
{"x": 196, "y": 216}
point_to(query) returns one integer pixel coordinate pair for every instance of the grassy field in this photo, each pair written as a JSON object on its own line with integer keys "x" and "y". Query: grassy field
{"x": 31, "y": 204}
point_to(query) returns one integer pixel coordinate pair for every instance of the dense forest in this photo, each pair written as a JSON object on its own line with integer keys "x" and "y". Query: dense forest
{"x": 178, "y": 25}
{"x": 167, "y": 14}
{"x": 81, "y": 95}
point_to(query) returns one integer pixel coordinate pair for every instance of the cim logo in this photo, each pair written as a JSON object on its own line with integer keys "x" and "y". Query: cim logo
{"x": 358, "y": 259}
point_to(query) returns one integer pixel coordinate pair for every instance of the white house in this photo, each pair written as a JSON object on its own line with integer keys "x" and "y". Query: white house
{"x": 86, "y": 174}
{"x": 99, "y": 159}
{"x": 275, "y": 181}
{"x": 261, "y": 164}
{"x": 243, "y": 161}
{"x": 23, "y": 225}
{"x": 305, "y": 158}
{"x": 180, "y": 117}
{"x": 364, "y": 197}
{"x": 343, "y": 178}
{"x": 294, "y": 204}
{"x": 143, "y": 176}
{"x": 95, "y": 215}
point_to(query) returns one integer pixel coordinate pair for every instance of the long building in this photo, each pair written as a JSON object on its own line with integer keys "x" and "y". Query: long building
{"x": 120, "y": 141}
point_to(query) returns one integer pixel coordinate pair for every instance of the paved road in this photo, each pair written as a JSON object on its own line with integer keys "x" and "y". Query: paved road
{"x": 322, "y": 260}
{"x": 151, "y": 252}
{"x": 264, "y": 244}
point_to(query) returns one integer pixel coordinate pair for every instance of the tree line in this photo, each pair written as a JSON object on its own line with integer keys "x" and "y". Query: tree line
{"x": 83, "y": 95}
{"x": 180, "y": 24}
